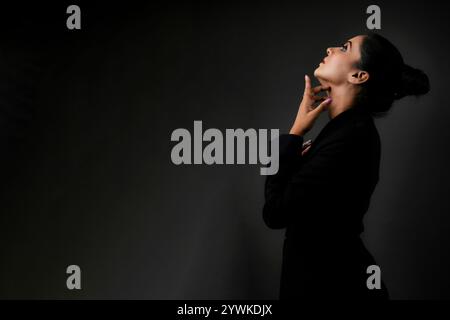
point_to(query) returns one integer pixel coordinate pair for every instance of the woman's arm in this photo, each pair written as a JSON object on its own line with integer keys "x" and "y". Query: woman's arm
{"x": 279, "y": 187}
{"x": 289, "y": 157}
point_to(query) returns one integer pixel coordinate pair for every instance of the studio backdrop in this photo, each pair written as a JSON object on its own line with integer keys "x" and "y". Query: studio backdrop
{"x": 92, "y": 180}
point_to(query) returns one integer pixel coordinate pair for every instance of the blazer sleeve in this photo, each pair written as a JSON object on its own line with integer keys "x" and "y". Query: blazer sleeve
{"x": 297, "y": 183}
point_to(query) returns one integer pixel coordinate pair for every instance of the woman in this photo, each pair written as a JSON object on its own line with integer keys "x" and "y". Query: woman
{"x": 321, "y": 193}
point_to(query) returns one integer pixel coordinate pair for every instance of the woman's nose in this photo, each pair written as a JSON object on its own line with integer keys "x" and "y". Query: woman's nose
{"x": 328, "y": 51}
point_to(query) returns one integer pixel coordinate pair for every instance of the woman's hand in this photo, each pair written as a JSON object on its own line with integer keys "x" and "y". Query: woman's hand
{"x": 307, "y": 113}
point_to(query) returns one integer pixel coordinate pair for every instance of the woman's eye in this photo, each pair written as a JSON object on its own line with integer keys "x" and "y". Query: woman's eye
{"x": 344, "y": 46}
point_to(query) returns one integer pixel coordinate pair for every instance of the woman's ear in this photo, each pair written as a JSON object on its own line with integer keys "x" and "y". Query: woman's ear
{"x": 358, "y": 77}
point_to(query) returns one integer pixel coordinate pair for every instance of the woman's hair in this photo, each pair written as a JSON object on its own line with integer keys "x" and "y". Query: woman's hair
{"x": 389, "y": 77}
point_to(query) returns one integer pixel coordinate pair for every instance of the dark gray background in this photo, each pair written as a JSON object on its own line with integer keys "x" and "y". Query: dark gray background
{"x": 86, "y": 119}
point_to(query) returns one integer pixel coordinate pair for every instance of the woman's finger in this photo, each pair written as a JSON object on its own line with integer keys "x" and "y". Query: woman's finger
{"x": 321, "y": 107}
{"x": 307, "y": 143}
{"x": 320, "y": 88}
{"x": 316, "y": 98}
{"x": 307, "y": 92}
{"x": 305, "y": 150}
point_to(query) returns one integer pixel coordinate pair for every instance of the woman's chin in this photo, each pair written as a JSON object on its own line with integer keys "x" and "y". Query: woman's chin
{"x": 317, "y": 72}
{"x": 320, "y": 74}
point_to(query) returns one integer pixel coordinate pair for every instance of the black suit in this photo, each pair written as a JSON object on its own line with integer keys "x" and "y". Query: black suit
{"x": 321, "y": 198}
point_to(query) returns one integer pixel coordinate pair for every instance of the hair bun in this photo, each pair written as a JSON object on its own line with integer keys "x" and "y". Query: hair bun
{"x": 413, "y": 82}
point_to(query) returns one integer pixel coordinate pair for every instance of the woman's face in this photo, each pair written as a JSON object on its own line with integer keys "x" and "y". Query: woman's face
{"x": 338, "y": 67}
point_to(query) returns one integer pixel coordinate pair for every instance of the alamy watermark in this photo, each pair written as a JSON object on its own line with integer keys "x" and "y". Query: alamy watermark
{"x": 74, "y": 279}
{"x": 215, "y": 153}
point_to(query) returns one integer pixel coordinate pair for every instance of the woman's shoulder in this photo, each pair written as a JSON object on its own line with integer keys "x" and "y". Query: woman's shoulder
{"x": 359, "y": 134}
{"x": 346, "y": 125}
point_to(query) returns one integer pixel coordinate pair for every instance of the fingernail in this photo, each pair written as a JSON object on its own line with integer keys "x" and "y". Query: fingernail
{"x": 328, "y": 100}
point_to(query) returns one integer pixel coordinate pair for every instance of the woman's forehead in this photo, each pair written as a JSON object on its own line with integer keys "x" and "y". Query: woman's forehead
{"x": 356, "y": 39}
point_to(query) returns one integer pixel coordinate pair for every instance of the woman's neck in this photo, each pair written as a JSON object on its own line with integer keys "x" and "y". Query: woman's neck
{"x": 342, "y": 99}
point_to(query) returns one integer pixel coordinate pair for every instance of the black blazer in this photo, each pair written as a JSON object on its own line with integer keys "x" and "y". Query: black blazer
{"x": 321, "y": 198}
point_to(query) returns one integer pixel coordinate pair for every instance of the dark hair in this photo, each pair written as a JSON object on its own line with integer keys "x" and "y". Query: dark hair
{"x": 389, "y": 77}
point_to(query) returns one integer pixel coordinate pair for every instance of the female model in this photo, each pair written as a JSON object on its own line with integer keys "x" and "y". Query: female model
{"x": 321, "y": 193}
